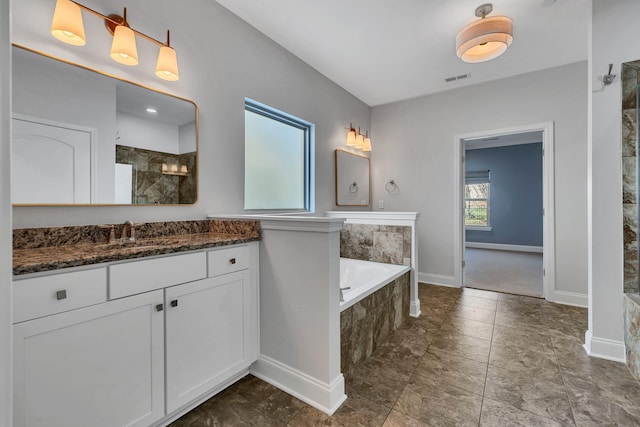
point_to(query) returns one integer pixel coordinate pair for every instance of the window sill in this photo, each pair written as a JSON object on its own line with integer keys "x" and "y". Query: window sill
{"x": 477, "y": 228}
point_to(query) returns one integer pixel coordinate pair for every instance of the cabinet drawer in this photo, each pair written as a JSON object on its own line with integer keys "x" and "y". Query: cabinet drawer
{"x": 141, "y": 276}
{"x": 42, "y": 296}
{"x": 223, "y": 261}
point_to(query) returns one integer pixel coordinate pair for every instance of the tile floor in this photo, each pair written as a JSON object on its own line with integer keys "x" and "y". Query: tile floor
{"x": 474, "y": 358}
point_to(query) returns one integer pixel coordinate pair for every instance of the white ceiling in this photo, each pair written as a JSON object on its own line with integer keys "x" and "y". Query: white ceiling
{"x": 388, "y": 50}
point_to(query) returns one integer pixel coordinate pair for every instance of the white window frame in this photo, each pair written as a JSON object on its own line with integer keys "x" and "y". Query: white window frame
{"x": 479, "y": 177}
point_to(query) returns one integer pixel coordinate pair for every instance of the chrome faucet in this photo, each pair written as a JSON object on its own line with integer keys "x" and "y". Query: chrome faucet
{"x": 132, "y": 231}
{"x": 341, "y": 294}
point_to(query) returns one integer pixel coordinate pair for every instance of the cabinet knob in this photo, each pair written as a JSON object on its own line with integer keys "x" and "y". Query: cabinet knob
{"x": 174, "y": 303}
{"x": 61, "y": 294}
{"x": 232, "y": 261}
{"x": 159, "y": 307}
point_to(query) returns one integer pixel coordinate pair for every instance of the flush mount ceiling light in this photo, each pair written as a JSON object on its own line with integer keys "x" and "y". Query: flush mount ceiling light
{"x": 67, "y": 26}
{"x": 486, "y": 38}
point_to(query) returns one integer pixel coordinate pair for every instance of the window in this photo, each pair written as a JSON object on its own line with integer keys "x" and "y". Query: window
{"x": 476, "y": 200}
{"x": 278, "y": 160}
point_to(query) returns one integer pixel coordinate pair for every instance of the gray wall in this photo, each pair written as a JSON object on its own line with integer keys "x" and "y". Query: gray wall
{"x": 515, "y": 195}
{"x": 222, "y": 60}
{"x": 416, "y": 139}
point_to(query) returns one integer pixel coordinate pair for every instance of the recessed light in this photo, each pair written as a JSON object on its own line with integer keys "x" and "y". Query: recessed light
{"x": 151, "y": 110}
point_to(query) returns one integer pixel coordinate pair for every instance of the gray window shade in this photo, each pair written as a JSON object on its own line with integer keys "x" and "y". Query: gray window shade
{"x": 477, "y": 177}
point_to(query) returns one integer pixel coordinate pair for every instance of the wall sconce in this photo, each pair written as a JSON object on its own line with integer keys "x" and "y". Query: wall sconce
{"x": 67, "y": 26}
{"x": 174, "y": 169}
{"x": 486, "y": 38}
{"x": 357, "y": 139}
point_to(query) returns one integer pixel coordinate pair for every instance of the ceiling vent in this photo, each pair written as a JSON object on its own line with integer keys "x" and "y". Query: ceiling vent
{"x": 460, "y": 77}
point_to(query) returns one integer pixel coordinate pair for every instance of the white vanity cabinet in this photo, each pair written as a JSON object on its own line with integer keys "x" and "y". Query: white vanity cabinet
{"x": 155, "y": 348}
{"x": 101, "y": 365}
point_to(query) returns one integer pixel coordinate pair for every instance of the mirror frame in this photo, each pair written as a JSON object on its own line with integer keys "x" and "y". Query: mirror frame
{"x": 338, "y": 202}
{"x": 197, "y": 178}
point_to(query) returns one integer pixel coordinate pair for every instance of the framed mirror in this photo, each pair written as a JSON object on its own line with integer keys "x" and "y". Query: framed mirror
{"x": 80, "y": 137}
{"x": 352, "y": 179}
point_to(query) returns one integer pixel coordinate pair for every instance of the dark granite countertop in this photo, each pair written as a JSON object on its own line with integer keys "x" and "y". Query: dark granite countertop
{"x": 64, "y": 254}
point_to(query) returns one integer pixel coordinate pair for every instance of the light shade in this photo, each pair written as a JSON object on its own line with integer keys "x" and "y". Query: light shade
{"x": 484, "y": 39}
{"x": 167, "y": 65}
{"x": 367, "y": 144}
{"x": 359, "y": 140}
{"x": 67, "y": 23}
{"x": 351, "y": 138}
{"x": 123, "y": 47}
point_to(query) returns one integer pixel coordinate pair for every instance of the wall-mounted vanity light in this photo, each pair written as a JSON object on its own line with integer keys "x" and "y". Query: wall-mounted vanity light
{"x": 174, "y": 169}
{"x": 67, "y": 26}
{"x": 357, "y": 140}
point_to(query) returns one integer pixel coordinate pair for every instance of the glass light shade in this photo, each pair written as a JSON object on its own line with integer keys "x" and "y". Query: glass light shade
{"x": 67, "y": 23}
{"x": 367, "y": 144}
{"x": 484, "y": 39}
{"x": 359, "y": 141}
{"x": 351, "y": 138}
{"x": 167, "y": 65}
{"x": 123, "y": 47}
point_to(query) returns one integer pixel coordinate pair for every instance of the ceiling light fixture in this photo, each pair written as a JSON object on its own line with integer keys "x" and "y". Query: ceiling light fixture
{"x": 67, "y": 26}
{"x": 486, "y": 38}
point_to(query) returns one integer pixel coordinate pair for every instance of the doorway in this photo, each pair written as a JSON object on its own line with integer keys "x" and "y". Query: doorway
{"x": 504, "y": 238}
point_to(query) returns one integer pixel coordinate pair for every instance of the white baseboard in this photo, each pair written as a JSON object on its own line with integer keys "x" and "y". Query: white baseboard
{"x": 438, "y": 279}
{"x": 324, "y": 397}
{"x": 503, "y": 247}
{"x": 569, "y": 298}
{"x": 604, "y": 348}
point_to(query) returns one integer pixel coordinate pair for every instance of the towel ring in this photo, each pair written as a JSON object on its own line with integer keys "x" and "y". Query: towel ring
{"x": 391, "y": 186}
{"x": 353, "y": 188}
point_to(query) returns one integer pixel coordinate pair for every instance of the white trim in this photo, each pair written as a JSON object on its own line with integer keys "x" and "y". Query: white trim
{"x": 569, "y": 298}
{"x": 478, "y": 227}
{"x": 291, "y": 223}
{"x": 604, "y": 348}
{"x": 504, "y": 247}
{"x": 548, "y": 185}
{"x": 438, "y": 279}
{"x": 376, "y": 215}
{"x": 322, "y": 396}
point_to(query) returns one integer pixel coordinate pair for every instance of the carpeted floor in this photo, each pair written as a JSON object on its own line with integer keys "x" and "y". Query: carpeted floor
{"x": 504, "y": 271}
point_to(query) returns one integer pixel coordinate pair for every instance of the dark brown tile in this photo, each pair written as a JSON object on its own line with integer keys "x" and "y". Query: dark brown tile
{"x": 438, "y": 368}
{"x": 462, "y": 345}
{"x": 516, "y": 337}
{"x": 472, "y": 328}
{"x": 398, "y": 419}
{"x": 356, "y": 411}
{"x": 472, "y": 313}
{"x": 495, "y": 413}
{"x": 472, "y": 301}
{"x": 538, "y": 364}
{"x": 479, "y": 293}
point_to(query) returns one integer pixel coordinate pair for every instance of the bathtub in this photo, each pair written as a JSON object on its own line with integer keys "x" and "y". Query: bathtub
{"x": 364, "y": 278}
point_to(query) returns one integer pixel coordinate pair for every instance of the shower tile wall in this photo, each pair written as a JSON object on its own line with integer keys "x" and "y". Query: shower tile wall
{"x": 150, "y": 184}
{"x": 630, "y": 81}
{"x": 390, "y": 244}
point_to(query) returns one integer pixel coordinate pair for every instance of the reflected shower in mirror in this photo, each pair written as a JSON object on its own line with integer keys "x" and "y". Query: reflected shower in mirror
{"x": 81, "y": 137}
{"x": 352, "y": 179}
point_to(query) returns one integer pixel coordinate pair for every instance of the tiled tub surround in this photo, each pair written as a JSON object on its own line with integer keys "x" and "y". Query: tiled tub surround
{"x": 632, "y": 332}
{"x": 51, "y": 248}
{"x": 150, "y": 185}
{"x": 390, "y": 244}
{"x": 630, "y": 80}
{"x": 367, "y": 324}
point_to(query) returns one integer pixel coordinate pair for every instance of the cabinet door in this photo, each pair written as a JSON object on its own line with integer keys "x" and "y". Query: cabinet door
{"x": 96, "y": 366}
{"x": 208, "y": 334}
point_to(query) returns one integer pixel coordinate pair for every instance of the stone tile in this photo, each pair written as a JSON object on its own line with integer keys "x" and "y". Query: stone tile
{"x": 538, "y": 364}
{"x": 469, "y": 347}
{"x": 521, "y": 298}
{"x": 472, "y": 328}
{"x": 377, "y": 381}
{"x": 388, "y": 247}
{"x": 629, "y": 86}
{"x": 356, "y": 411}
{"x": 267, "y": 398}
{"x": 234, "y": 410}
{"x": 519, "y": 307}
{"x": 472, "y": 313}
{"x": 630, "y": 226}
{"x": 612, "y": 384}
{"x": 516, "y": 337}
{"x": 444, "y": 406}
{"x": 439, "y": 368}
{"x": 361, "y": 339}
{"x": 604, "y": 412}
{"x": 632, "y": 333}
{"x": 631, "y": 271}
{"x": 495, "y": 413}
{"x": 529, "y": 316}
{"x": 398, "y": 419}
{"x": 471, "y": 301}
{"x": 529, "y": 393}
{"x": 629, "y": 190}
{"x": 629, "y": 126}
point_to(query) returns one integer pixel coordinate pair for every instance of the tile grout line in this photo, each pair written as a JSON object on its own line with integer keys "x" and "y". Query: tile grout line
{"x": 486, "y": 373}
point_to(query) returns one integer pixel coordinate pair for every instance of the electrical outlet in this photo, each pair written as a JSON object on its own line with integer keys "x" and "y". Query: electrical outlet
{"x": 381, "y": 204}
